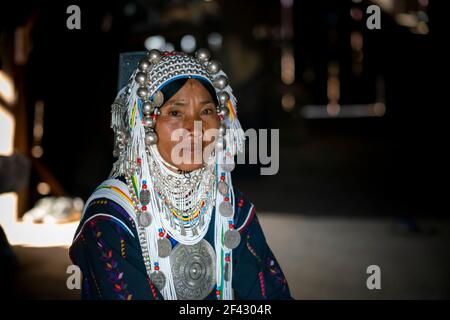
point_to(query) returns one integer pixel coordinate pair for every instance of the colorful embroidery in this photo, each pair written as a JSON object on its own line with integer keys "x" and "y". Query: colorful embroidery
{"x": 152, "y": 287}
{"x": 275, "y": 272}
{"x": 122, "y": 248}
{"x": 115, "y": 277}
{"x": 262, "y": 285}
{"x": 95, "y": 282}
{"x": 252, "y": 251}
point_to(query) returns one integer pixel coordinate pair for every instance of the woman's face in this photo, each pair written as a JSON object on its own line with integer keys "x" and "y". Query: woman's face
{"x": 175, "y": 126}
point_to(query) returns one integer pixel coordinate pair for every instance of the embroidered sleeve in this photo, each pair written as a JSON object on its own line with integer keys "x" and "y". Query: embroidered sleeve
{"x": 259, "y": 269}
{"x": 111, "y": 266}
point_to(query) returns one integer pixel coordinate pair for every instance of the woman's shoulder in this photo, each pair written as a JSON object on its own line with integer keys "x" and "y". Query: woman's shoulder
{"x": 108, "y": 203}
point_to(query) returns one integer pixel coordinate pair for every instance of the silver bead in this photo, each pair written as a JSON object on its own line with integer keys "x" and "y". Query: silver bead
{"x": 149, "y": 122}
{"x": 222, "y": 129}
{"x": 151, "y": 138}
{"x": 214, "y": 66}
{"x": 147, "y": 108}
{"x": 224, "y": 111}
{"x": 202, "y": 54}
{"x": 140, "y": 77}
{"x": 142, "y": 93}
{"x": 223, "y": 97}
{"x": 158, "y": 99}
{"x": 220, "y": 82}
{"x": 144, "y": 64}
{"x": 154, "y": 56}
{"x": 120, "y": 138}
{"x": 220, "y": 143}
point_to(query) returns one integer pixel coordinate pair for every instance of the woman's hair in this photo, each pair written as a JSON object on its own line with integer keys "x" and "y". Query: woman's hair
{"x": 170, "y": 89}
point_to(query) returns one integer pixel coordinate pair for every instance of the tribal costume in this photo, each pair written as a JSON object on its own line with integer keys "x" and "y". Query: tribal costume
{"x": 149, "y": 232}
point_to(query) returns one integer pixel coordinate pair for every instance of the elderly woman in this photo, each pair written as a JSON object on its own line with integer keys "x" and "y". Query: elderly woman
{"x": 168, "y": 224}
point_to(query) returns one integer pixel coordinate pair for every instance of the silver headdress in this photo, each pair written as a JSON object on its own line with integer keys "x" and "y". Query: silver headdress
{"x": 162, "y": 205}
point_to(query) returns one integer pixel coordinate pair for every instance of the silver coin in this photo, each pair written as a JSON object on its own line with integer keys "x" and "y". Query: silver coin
{"x": 228, "y": 166}
{"x": 226, "y": 209}
{"x": 223, "y": 188}
{"x": 144, "y": 197}
{"x": 164, "y": 247}
{"x": 144, "y": 219}
{"x": 158, "y": 279}
{"x": 232, "y": 238}
{"x": 193, "y": 270}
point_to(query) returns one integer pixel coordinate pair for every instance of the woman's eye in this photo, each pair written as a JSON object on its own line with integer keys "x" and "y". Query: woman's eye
{"x": 173, "y": 113}
{"x": 208, "y": 111}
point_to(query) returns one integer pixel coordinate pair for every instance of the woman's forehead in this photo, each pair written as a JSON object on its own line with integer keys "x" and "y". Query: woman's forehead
{"x": 192, "y": 86}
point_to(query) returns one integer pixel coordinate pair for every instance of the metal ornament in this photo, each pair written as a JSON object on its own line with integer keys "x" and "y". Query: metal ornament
{"x": 223, "y": 188}
{"x": 193, "y": 270}
{"x": 144, "y": 219}
{"x": 220, "y": 143}
{"x": 226, "y": 209}
{"x": 232, "y": 238}
{"x": 149, "y": 122}
{"x": 224, "y": 111}
{"x": 228, "y": 166}
{"x": 158, "y": 279}
{"x": 142, "y": 92}
{"x": 158, "y": 99}
{"x": 222, "y": 129}
{"x": 214, "y": 67}
{"x": 144, "y": 197}
{"x": 140, "y": 77}
{"x": 223, "y": 97}
{"x": 144, "y": 64}
{"x": 164, "y": 247}
{"x": 147, "y": 108}
{"x": 154, "y": 56}
{"x": 151, "y": 138}
{"x": 220, "y": 82}
{"x": 202, "y": 55}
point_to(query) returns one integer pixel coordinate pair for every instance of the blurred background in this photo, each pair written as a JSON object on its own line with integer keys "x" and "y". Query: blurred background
{"x": 361, "y": 116}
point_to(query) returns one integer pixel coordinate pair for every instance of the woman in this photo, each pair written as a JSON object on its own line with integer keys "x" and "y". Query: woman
{"x": 168, "y": 224}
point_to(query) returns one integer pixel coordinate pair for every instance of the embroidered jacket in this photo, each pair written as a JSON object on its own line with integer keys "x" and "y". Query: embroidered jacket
{"x": 107, "y": 250}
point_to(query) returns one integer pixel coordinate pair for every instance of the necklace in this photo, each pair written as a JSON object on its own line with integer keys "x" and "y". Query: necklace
{"x": 185, "y": 202}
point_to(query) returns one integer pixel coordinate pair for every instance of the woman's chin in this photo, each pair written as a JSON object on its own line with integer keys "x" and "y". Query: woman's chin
{"x": 189, "y": 167}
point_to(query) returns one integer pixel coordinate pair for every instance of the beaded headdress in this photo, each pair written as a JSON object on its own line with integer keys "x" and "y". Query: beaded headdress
{"x": 134, "y": 115}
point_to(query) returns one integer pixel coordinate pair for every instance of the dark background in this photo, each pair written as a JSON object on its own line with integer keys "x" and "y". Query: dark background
{"x": 390, "y": 167}
{"x": 377, "y": 165}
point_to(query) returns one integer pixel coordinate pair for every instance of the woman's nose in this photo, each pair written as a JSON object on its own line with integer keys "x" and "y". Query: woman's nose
{"x": 192, "y": 121}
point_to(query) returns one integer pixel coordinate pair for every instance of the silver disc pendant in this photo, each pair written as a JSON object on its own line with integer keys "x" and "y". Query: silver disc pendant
{"x": 228, "y": 166}
{"x": 223, "y": 188}
{"x": 232, "y": 238}
{"x": 193, "y": 270}
{"x": 226, "y": 209}
{"x": 164, "y": 247}
{"x": 144, "y": 219}
{"x": 158, "y": 279}
{"x": 144, "y": 197}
